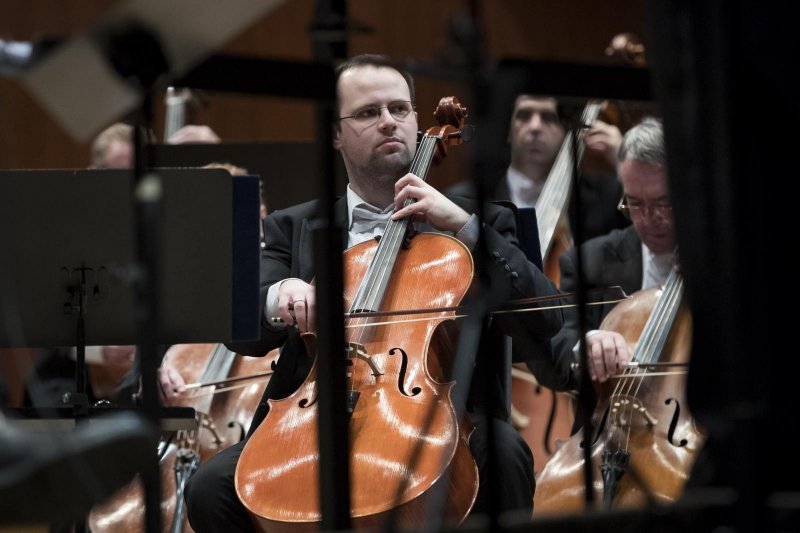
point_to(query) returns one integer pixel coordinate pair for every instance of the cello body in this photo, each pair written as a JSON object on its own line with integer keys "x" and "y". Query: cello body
{"x": 223, "y": 420}
{"x": 406, "y": 440}
{"x": 639, "y": 412}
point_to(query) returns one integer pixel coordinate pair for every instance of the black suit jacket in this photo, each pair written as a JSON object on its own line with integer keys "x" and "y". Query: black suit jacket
{"x": 598, "y": 193}
{"x": 288, "y": 254}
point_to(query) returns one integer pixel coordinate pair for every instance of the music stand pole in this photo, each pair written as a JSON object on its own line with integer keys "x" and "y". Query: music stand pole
{"x": 147, "y": 204}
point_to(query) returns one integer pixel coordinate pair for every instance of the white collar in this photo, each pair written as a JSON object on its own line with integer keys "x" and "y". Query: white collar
{"x": 524, "y": 191}
{"x": 656, "y": 267}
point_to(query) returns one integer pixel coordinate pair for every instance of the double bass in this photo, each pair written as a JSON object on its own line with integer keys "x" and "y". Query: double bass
{"x": 645, "y": 440}
{"x": 406, "y": 438}
{"x": 541, "y": 415}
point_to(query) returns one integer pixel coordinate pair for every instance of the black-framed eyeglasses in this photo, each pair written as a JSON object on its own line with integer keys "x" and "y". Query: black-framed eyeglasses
{"x": 640, "y": 211}
{"x": 369, "y": 115}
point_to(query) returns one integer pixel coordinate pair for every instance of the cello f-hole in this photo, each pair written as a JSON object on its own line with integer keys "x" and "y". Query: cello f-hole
{"x": 401, "y": 375}
{"x": 673, "y": 424}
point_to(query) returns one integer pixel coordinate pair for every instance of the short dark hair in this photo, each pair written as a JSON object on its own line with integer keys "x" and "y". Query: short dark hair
{"x": 371, "y": 60}
{"x": 564, "y": 112}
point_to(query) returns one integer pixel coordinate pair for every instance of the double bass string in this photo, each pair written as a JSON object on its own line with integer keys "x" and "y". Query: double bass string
{"x": 556, "y": 189}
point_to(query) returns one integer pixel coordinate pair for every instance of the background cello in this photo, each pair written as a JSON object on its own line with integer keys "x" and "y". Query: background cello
{"x": 225, "y": 389}
{"x": 543, "y": 416}
{"x": 645, "y": 440}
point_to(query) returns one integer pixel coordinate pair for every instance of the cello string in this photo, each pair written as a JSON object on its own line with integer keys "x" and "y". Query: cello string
{"x": 628, "y": 377}
{"x": 391, "y": 241}
{"x": 376, "y": 278}
{"x": 656, "y": 329}
{"x": 665, "y": 312}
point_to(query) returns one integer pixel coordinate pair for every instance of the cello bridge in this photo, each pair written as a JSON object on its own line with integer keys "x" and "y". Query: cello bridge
{"x": 354, "y": 349}
{"x": 624, "y": 408}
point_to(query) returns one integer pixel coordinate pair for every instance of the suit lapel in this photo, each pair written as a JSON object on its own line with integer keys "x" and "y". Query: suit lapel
{"x": 305, "y": 251}
{"x": 502, "y": 192}
{"x": 620, "y": 257}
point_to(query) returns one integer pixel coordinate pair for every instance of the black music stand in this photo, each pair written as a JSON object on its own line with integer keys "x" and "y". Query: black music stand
{"x": 68, "y": 241}
{"x": 70, "y": 260}
{"x": 69, "y": 270}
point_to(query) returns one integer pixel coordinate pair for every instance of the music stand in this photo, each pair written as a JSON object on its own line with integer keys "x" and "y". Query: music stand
{"x": 69, "y": 259}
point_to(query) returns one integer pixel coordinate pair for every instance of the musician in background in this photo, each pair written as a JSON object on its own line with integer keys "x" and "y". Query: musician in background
{"x": 376, "y": 135}
{"x": 536, "y": 133}
{"x": 113, "y": 147}
{"x": 53, "y": 374}
{"x": 638, "y": 257}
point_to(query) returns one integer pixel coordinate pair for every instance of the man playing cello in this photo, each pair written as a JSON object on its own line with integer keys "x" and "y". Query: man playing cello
{"x": 376, "y": 134}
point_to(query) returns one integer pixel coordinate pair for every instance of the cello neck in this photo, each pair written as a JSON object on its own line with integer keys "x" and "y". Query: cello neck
{"x": 554, "y": 198}
{"x": 656, "y": 330}
{"x": 373, "y": 287}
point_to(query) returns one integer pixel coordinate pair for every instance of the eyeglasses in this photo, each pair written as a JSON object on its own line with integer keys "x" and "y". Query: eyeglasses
{"x": 369, "y": 115}
{"x": 639, "y": 211}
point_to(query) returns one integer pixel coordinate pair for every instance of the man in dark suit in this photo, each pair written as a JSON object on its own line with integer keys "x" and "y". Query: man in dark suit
{"x": 638, "y": 257}
{"x": 376, "y": 134}
{"x": 536, "y": 134}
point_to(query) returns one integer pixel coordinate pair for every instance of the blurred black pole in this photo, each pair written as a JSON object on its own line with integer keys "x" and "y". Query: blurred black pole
{"x": 147, "y": 209}
{"x": 729, "y": 157}
{"x": 468, "y": 33}
{"x": 136, "y": 54}
{"x": 329, "y": 41}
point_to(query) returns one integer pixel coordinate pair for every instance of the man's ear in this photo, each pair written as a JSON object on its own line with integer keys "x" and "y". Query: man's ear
{"x": 337, "y": 143}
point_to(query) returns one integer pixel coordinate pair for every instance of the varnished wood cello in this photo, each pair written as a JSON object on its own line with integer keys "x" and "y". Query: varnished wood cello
{"x": 406, "y": 439}
{"x": 225, "y": 389}
{"x": 645, "y": 440}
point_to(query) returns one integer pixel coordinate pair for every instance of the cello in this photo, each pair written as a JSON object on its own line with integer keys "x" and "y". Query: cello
{"x": 226, "y": 390}
{"x": 398, "y": 381}
{"x": 645, "y": 440}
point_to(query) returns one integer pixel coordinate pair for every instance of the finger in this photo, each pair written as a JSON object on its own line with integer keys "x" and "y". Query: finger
{"x": 409, "y": 191}
{"x": 177, "y": 381}
{"x": 593, "y": 353}
{"x": 623, "y": 354}
{"x": 610, "y": 358}
{"x": 311, "y": 312}
{"x": 301, "y": 314}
